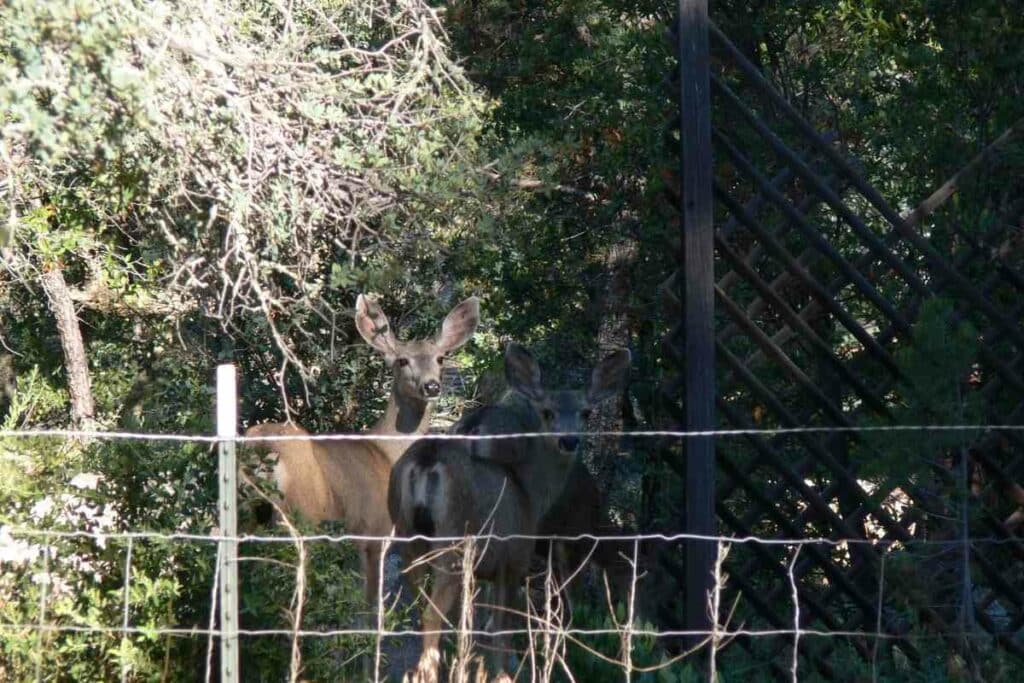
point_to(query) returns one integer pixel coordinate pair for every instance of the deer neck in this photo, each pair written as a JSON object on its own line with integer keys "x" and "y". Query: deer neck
{"x": 539, "y": 465}
{"x": 545, "y": 477}
{"x": 403, "y": 415}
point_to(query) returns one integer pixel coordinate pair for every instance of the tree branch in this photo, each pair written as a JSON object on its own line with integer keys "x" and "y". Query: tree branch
{"x": 76, "y": 365}
{"x": 950, "y": 187}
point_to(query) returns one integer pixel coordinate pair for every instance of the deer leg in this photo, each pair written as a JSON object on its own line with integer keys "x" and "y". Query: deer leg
{"x": 369, "y": 557}
{"x": 443, "y": 597}
{"x": 501, "y": 648}
{"x": 369, "y": 561}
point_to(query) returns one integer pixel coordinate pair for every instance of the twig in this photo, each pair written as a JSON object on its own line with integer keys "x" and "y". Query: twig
{"x": 716, "y": 601}
{"x": 627, "y": 642}
{"x": 385, "y": 546}
{"x": 796, "y": 612}
{"x": 125, "y": 641}
{"x": 214, "y": 592}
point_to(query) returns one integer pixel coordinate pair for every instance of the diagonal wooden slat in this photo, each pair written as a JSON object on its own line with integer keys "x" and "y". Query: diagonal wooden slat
{"x": 813, "y": 286}
{"x": 812, "y": 234}
{"x": 769, "y": 294}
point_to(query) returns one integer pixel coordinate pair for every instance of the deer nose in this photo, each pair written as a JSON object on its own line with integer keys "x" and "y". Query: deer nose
{"x": 432, "y": 389}
{"x": 568, "y": 443}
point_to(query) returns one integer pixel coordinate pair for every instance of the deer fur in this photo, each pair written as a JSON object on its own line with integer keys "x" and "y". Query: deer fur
{"x": 583, "y": 510}
{"x": 347, "y": 481}
{"x": 501, "y": 487}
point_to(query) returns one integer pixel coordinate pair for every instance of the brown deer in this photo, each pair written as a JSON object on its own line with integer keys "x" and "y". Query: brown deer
{"x": 347, "y": 481}
{"x": 501, "y": 487}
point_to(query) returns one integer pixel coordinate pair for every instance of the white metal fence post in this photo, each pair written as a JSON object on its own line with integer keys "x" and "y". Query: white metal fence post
{"x": 227, "y": 499}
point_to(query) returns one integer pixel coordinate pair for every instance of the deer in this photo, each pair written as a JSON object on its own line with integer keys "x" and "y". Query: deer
{"x": 451, "y": 488}
{"x": 347, "y": 481}
{"x": 581, "y": 510}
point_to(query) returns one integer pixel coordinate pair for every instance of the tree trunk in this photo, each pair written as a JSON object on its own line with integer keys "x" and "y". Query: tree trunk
{"x": 614, "y": 333}
{"x": 75, "y": 363}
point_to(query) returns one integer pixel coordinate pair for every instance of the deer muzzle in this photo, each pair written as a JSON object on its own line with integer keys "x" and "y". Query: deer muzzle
{"x": 568, "y": 443}
{"x": 432, "y": 389}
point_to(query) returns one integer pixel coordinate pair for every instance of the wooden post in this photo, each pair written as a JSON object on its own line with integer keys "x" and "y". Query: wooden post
{"x": 227, "y": 500}
{"x": 698, "y": 305}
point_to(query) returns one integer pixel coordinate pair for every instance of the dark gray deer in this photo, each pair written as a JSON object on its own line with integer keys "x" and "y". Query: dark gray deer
{"x": 503, "y": 487}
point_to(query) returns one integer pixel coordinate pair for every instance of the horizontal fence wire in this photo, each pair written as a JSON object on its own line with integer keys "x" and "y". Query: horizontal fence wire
{"x": 28, "y": 532}
{"x": 353, "y": 632}
{"x": 656, "y": 433}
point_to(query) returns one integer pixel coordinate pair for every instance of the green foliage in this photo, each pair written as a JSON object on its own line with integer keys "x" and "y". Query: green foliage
{"x": 935, "y": 390}
{"x": 937, "y": 665}
{"x": 333, "y": 600}
{"x": 96, "y": 488}
{"x": 141, "y": 139}
{"x": 914, "y": 88}
{"x": 138, "y": 140}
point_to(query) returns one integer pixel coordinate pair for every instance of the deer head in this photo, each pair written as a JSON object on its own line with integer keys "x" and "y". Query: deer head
{"x": 416, "y": 364}
{"x": 565, "y": 410}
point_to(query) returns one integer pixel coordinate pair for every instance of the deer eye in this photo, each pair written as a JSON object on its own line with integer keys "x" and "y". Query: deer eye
{"x": 547, "y": 414}
{"x": 402, "y": 362}
{"x": 440, "y": 360}
{"x": 585, "y": 413}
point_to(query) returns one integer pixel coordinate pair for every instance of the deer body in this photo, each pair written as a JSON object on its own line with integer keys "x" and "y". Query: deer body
{"x": 324, "y": 481}
{"x": 454, "y": 491}
{"x": 500, "y": 487}
{"x": 347, "y": 480}
{"x": 583, "y": 510}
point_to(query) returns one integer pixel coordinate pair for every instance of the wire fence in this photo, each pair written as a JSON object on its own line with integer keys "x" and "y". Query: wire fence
{"x": 539, "y": 625}
{"x": 547, "y": 630}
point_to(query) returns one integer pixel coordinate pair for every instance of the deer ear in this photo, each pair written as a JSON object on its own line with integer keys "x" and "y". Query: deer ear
{"x": 522, "y": 372}
{"x": 459, "y": 325}
{"x": 373, "y": 325}
{"x": 609, "y": 378}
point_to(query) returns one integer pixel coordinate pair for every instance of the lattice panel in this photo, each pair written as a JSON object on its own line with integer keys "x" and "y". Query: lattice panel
{"x": 819, "y": 286}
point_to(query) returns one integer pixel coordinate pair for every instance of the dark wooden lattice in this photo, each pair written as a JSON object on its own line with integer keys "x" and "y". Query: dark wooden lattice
{"x": 819, "y": 284}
